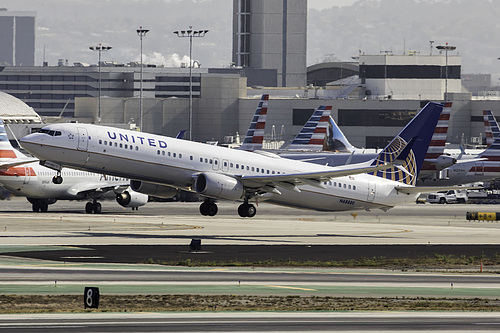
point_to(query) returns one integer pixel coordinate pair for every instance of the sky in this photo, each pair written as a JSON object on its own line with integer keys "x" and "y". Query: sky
{"x": 337, "y": 29}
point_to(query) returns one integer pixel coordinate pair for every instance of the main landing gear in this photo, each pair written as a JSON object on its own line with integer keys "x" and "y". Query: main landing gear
{"x": 209, "y": 208}
{"x": 246, "y": 209}
{"x": 93, "y": 207}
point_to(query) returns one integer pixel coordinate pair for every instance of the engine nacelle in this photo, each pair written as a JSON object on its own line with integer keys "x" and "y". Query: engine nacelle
{"x": 444, "y": 161}
{"x": 155, "y": 190}
{"x": 132, "y": 199}
{"x": 216, "y": 185}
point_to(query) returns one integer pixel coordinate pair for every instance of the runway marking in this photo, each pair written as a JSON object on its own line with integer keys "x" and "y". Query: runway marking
{"x": 286, "y": 287}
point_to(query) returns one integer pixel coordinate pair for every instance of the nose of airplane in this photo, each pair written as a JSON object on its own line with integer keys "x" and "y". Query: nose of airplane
{"x": 32, "y": 143}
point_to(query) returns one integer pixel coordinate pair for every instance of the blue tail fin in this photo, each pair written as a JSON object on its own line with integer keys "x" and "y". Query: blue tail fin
{"x": 420, "y": 129}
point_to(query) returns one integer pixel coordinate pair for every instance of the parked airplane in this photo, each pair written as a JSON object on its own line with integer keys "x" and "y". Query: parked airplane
{"x": 164, "y": 163}
{"x": 24, "y": 176}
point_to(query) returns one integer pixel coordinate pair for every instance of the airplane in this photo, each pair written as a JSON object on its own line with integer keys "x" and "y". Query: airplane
{"x": 220, "y": 173}
{"x": 24, "y": 176}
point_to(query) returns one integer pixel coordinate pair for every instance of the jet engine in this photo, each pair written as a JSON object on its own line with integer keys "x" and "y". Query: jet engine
{"x": 160, "y": 191}
{"x": 444, "y": 161}
{"x": 220, "y": 186}
{"x": 132, "y": 199}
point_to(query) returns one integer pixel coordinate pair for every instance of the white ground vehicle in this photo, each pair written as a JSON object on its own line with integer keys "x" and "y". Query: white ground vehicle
{"x": 450, "y": 196}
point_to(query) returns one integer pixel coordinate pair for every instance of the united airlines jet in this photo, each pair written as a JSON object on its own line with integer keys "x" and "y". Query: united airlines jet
{"x": 42, "y": 186}
{"x": 163, "y": 164}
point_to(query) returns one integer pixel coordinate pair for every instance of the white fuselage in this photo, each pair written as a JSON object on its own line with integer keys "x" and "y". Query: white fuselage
{"x": 176, "y": 163}
{"x": 35, "y": 181}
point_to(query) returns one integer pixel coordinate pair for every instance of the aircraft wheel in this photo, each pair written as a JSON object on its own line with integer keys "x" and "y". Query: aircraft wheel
{"x": 204, "y": 209}
{"x": 251, "y": 211}
{"x": 212, "y": 209}
{"x": 57, "y": 180}
{"x": 44, "y": 207}
{"x": 89, "y": 208}
{"x": 97, "y": 208}
{"x": 242, "y": 211}
{"x": 35, "y": 206}
{"x": 247, "y": 210}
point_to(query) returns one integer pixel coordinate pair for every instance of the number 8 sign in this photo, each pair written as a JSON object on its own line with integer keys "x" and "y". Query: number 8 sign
{"x": 91, "y": 297}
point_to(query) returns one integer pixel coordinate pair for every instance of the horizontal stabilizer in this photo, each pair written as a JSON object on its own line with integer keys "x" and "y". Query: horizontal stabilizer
{"x": 432, "y": 189}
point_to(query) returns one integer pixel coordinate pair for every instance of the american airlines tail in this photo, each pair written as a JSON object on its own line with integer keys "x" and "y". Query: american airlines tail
{"x": 312, "y": 136}
{"x": 420, "y": 127}
{"x": 255, "y": 134}
{"x": 491, "y": 127}
{"x": 6, "y": 149}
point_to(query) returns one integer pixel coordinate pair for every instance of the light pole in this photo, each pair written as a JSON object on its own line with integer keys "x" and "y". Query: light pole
{"x": 99, "y": 48}
{"x": 191, "y": 33}
{"x": 446, "y": 48}
{"x": 141, "y": 33}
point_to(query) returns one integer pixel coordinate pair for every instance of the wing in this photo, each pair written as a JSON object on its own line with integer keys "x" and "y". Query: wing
{"x": 268, "y": 183}
{"x": 16, "y": 162}
{"x": 97, "y": 189}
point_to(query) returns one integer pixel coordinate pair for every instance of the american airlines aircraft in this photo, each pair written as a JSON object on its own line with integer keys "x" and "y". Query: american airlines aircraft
{"x": 24, "y": 176}
{"x": 160, "y": 163}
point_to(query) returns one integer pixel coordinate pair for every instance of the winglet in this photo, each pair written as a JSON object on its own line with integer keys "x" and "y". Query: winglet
{"x": 180, "y": 135}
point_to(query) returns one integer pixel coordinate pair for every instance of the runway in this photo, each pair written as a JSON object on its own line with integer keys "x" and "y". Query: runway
{"x": 65, "y": 249}
{"x": 171, "y": 223}
{"x": 253, "y": 322}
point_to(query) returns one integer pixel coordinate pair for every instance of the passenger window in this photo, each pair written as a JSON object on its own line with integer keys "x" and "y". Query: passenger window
{"x": 174, "y": 154}
{"x": 158, "y": 152}
{"x": 163, "y": 153}
{"x": 100, "y": 141}
{"x": 110, "y": 143}
{"x": 121, "y": 145}
{"x": 191, "y": 157}
{"x": 116, "y": 145}
{"x": 201, "y": 159}
{"x": 349, "y": 186}
{"x": 354, "y": 187}
{"x": 137, "y": 148}
{"x": 180, "y": 155}
{"x": 126, "y": 146}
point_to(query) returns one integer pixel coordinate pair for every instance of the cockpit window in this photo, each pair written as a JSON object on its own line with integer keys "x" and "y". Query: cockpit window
{"x": 51, "y": 132}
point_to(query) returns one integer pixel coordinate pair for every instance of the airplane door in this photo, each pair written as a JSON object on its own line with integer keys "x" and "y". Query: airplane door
{"x": 215, "y": 165}
{"x": 372, "y": 190}
{"x": 83, "y": 140}
{"x": 27, "y": 175}
{"x": 479, "y": 168}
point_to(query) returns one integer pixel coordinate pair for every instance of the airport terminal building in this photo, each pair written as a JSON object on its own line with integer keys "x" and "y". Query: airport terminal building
{"x": 372, "y": 98}
{"x": 370, "y": 107}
